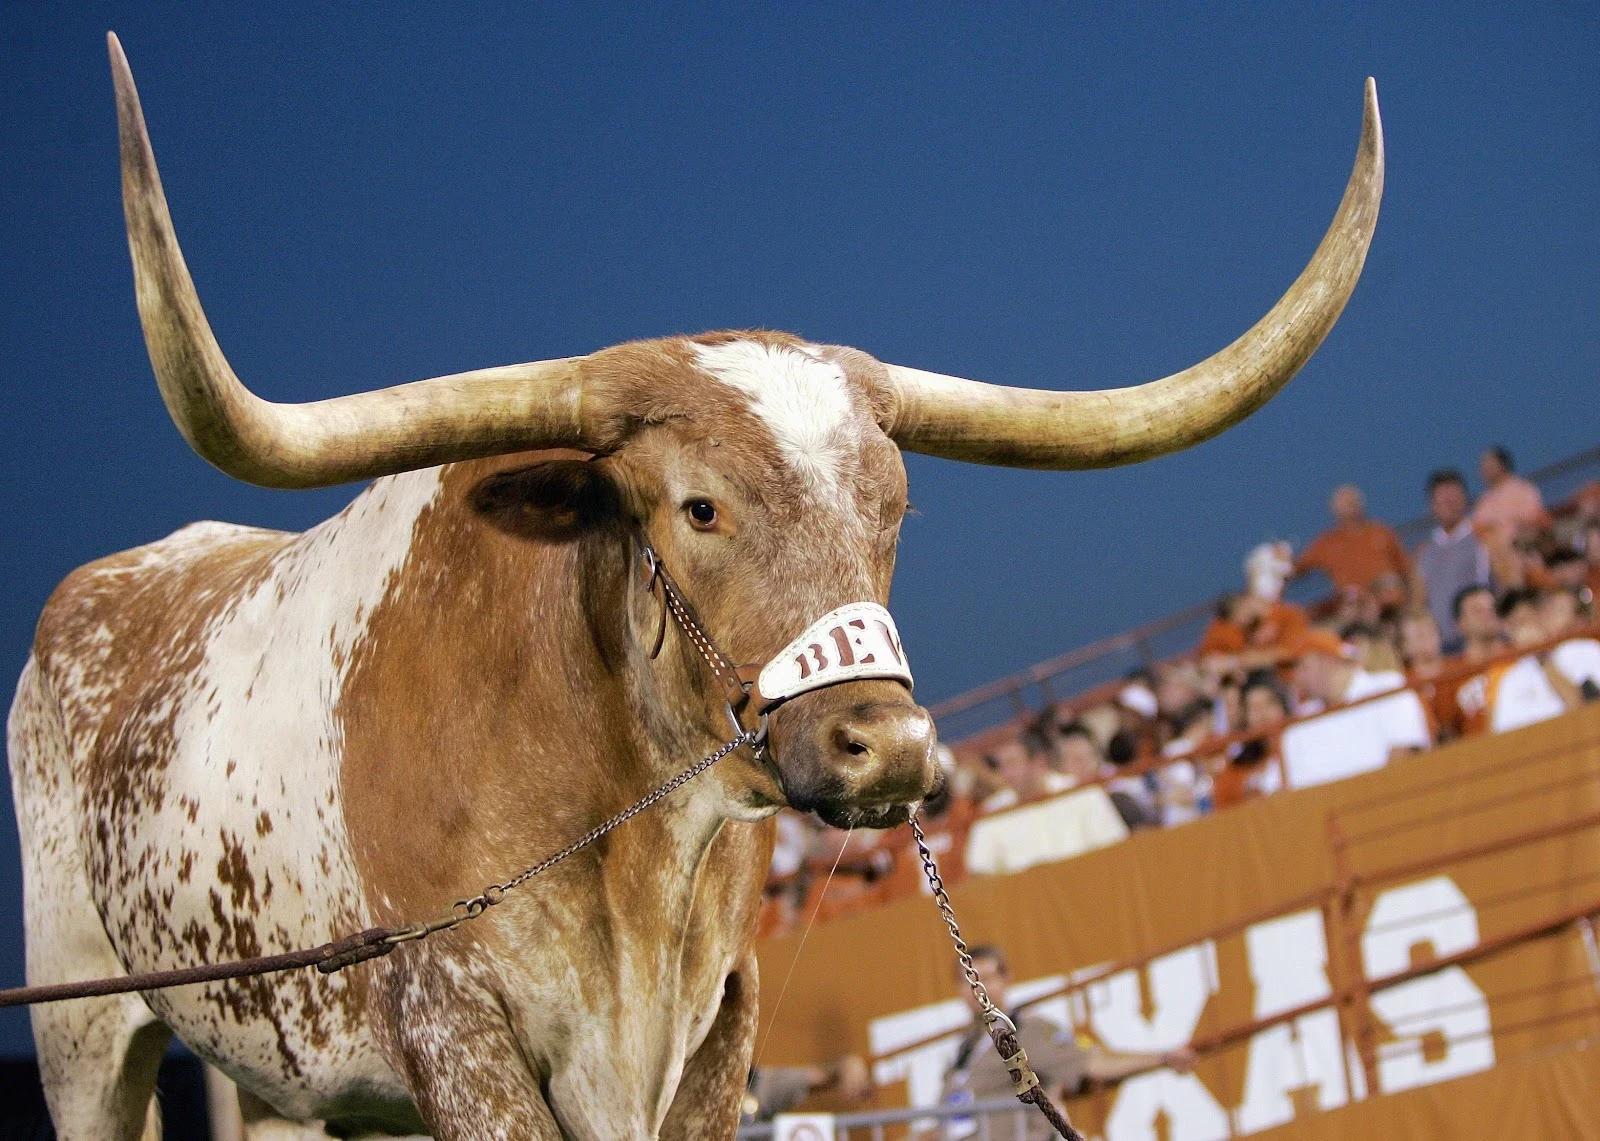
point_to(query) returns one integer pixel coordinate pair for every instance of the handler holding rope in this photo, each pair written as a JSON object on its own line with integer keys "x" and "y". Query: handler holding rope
{"x": 1064, "y": 1068}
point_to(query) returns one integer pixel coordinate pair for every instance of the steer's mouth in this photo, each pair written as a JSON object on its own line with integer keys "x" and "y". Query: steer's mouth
{"x": 851, "y": 816}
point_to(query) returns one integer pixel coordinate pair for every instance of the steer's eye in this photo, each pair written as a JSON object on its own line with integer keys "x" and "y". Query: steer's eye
{"x": 702, "y": 513}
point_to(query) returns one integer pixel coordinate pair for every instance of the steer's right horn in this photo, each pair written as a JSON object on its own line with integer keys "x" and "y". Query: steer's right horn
{"x": 488, "y": 412}
{"x": 1039, "y": 428}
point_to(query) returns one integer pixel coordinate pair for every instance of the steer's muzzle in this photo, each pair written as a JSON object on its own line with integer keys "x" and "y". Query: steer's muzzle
{"x": 859, "y": 755}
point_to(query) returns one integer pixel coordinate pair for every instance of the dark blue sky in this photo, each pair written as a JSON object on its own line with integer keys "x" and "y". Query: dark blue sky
{"x": 373, "y": 195}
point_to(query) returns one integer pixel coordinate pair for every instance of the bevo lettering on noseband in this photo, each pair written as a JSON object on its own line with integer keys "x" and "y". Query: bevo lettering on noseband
{"x": 854, "y": 642}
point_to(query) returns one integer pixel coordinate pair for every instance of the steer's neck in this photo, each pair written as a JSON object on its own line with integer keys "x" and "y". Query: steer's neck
{"x": 499, "y": 706}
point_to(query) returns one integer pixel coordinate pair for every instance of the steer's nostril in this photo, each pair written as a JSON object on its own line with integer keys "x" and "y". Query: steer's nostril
{"x": 851, "y": 741}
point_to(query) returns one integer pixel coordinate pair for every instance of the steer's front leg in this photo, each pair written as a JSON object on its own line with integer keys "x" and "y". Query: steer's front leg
{"x": 448, "y": 1036}
{"x": 706, "y": 1105}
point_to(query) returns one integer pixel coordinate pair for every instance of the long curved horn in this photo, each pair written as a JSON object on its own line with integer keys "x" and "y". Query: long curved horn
{"x": 468, "y": 415}
{"x": 1019, "y": 427}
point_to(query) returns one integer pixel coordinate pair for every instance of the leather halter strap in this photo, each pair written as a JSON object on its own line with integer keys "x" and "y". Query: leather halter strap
{"x": 735, "y": 690}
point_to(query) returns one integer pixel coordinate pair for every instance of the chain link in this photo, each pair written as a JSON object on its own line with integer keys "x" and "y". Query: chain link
{"x": 474, "y": 906}
{"x": 991, "y": 1013}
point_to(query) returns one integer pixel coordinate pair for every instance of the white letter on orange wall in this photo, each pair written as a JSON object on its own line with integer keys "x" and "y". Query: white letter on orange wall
{"x": 1180, "y": 985}
{"x": 1446, "y": 1003}
{"x": 1289, "y": 965}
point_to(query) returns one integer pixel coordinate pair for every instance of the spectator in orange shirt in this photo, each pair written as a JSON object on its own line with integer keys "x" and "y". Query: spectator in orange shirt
{"x": 1422, "y": 651}
{"x": 1253, "y": 632}
{"x": 1509, "y": 503}
{"x": 1358, "y": 554}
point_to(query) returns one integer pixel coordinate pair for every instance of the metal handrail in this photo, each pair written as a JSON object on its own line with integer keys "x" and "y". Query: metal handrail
{"x": 989, "y": 1107}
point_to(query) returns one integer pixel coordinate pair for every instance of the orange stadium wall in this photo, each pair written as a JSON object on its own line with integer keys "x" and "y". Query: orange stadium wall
{"x": 1486, "y": 851}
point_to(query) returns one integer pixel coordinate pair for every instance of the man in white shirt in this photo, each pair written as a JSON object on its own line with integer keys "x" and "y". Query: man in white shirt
{"x": 1038, "y": 817}
{"x": 1343, "y": 743}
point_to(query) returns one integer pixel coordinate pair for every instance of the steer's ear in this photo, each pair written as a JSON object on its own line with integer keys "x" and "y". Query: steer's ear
{"x": 555, "y": 501}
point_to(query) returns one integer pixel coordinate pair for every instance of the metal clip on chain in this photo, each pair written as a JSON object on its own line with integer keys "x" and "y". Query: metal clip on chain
{"x": 1001, "y": 1029}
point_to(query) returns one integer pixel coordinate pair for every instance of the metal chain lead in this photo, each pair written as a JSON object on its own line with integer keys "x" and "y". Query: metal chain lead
{"x": 1001, "y": 1029}
{"x": 474, "y": 906}
{"x": 991, "y": 1012}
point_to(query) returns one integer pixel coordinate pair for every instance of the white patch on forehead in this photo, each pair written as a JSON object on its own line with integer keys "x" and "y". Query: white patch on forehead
{"x": 803, "y": 400}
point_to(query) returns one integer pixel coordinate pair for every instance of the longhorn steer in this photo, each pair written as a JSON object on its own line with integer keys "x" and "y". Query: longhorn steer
{"x": 233, "y": 742}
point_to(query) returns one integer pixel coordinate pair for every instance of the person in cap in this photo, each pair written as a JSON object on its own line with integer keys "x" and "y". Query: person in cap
{"x": 1341, "y": 743}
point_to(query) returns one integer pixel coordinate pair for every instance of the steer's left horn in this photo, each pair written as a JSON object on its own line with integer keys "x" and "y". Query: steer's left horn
{"x": 488, "y": 412}
{"x": 1020, "y": 427}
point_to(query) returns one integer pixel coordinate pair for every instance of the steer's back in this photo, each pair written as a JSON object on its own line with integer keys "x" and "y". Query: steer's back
{"x": 175, "y": 759}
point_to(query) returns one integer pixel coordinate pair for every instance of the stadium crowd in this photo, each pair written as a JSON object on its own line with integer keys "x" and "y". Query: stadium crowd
{"x": 1488, "y": 625}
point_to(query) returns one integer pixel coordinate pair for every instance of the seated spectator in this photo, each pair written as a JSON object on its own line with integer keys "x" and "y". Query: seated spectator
{"x": 1347, "y": 742}
{"x": 1025, "y": 830}
{"x": 1352, "y": 608}
{"x": 1359, "y": 555}
{"x": 1422, "y": 654}
{"x": 1546, "y": 683}
{"x": 1138, "y": 710}
{"x": 1183, "y": 787}
{"x": 1178, "y": 686}
{"x": 1064, "y": 1066}
{"x": 1267, "y": 568}
{"x": 1250, "y": 632}
{"x": 844, "y": 869}
{"x": 1421, "y": 646}
{"x": 1461, "y": 706}
{"x": 1562, "y": 611}
{"x": 1133, "y": 794}
{"x": 1023, "y": 765}
{"x": 1372, "y": 646}
{"x": 1567, "y": 569}
{"x": 1509, "y": 504}
{"x": 1452, "y": 559}
{"x": 1230, "y": 703}
{"x": 1253, "y": 768}
{"x": 1075, "y": 755}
